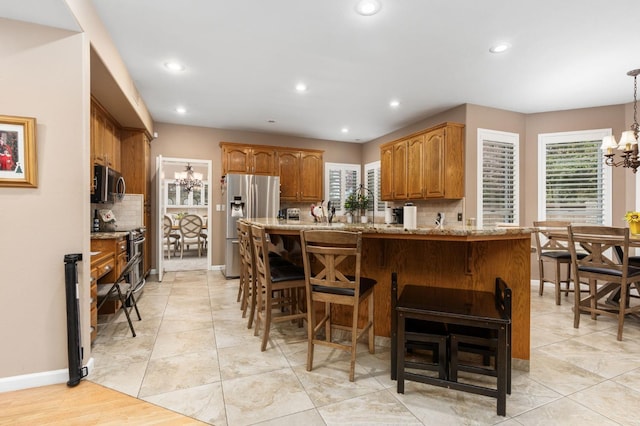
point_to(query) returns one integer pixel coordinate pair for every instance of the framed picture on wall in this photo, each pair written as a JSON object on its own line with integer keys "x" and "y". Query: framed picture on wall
{"x": 18, "y": 166}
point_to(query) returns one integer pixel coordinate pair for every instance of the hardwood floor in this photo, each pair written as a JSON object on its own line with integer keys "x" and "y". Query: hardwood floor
{"x": 86, "y": 404}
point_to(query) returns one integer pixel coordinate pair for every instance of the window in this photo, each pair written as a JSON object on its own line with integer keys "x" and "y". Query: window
{"x": 498, "y": 183}
{"x": 574, "y": 183}
{"x": 372, "y": 173}
{"x": 340, "y": 180}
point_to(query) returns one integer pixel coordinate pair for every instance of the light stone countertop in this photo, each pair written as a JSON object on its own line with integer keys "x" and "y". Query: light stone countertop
{"x": 108, "y": 235}
{"x": 383, "y": 230}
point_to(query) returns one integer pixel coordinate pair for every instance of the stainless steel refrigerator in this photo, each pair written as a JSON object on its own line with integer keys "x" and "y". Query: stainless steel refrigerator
{"x": 247, "y": 196}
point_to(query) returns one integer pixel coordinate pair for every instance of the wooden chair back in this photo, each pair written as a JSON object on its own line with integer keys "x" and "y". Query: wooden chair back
{"x": 543, "y": 241}
{"x": 600, "y": 244}
{"x": 333, "y": 259}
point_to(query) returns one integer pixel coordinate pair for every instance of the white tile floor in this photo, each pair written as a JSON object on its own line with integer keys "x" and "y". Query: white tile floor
{"x": 194, "y": 355}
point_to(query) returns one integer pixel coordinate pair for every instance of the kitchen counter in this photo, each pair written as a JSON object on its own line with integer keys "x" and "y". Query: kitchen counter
{"x": 108, "y": 235}
{"x": 466, "y": 233}
{"x": 453, "y": 257}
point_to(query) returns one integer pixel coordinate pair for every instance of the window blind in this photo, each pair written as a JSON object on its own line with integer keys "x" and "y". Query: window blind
{"x": 574, "y": 183}
{"x": 499, "y": 180}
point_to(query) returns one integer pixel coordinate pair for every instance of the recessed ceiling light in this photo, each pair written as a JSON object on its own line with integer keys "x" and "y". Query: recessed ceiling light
{"x": 394, "y": 103}
{"x": 499, "y": 47}
{"x": 181, "y": 110}
{"x": 301, "y": 87}
{"x": 368, "y": 7}
{"x": 174, "y": 66}
{"x": 344, "y": 130}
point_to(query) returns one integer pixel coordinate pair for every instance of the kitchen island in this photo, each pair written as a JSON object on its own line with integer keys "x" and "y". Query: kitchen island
{"x": 453, "y": 257}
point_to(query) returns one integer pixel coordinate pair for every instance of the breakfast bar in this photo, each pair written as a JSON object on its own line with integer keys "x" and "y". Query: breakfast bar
{"x": 453, "y": 257}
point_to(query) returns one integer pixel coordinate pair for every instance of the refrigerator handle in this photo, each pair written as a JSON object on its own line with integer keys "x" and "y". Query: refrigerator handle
{"x": 254, "y": 197}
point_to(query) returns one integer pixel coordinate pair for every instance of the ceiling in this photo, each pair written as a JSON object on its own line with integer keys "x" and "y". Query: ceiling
{"x": 243, "y": 58}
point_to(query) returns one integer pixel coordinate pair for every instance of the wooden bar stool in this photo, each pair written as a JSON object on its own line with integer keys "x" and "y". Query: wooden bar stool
{"x": 332, "y": 274}
{"x": 278, "y": 287}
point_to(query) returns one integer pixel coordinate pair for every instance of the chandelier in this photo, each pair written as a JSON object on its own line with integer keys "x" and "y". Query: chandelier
{"x": 629, "y": 139}
{"x": 188, "y": 179}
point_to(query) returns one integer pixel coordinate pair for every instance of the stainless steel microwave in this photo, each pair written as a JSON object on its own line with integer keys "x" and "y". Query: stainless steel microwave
{"x": 108, "y": 185}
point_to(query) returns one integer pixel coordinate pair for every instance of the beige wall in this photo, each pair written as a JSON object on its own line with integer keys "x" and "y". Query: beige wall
{"x": 203, "y": 144}
{"x": 44, "y": 75}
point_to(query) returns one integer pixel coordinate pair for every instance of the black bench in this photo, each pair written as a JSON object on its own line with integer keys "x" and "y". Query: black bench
{"x": 475, "y": 319}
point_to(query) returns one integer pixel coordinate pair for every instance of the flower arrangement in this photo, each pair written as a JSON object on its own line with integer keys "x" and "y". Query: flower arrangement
{"x": 632, "y": 217}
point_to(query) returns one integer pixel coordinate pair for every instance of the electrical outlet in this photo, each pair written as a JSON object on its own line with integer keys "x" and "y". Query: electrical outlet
{"x": 459, "y": 217}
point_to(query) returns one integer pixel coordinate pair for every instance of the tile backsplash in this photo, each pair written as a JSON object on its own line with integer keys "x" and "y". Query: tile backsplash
{"x": 427, "y": 211}
{"x": 128, "y": 212}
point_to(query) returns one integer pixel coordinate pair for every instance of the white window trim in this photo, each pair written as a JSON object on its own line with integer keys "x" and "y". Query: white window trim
{"x": 505, "y": 137}
{"x": 340, "y": 166}
{"x": 576, "y": 136}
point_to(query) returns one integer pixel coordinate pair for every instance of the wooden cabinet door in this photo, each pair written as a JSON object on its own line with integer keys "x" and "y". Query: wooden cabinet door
{"x": 289, "y": 172}
{"x": 400, "y": 170}
{"x": 98, "y": 138}
{"x": 108, "y": 145}
{"x": 386, "y": 173}
{"x": 263, "y": 161}
{"x": 434, "y": 145}
{"x": 236, "y": 159}
{"x": 310, "y": 176}
{"x": 414, "y": 167}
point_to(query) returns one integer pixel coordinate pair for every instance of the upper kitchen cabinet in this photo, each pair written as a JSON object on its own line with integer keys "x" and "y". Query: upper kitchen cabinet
{"x": 425, "y": 165}
{"x": 444, "y": 161}
{"x": 400, "y": 170}
{"x": 105, "y": 138}
{"x": 386, "y": 171}
{"x": 300, "y": 174}
{"x": 415, "y": 166}
{"x": 249, "y": 159}
{"x": 393, "y": 168}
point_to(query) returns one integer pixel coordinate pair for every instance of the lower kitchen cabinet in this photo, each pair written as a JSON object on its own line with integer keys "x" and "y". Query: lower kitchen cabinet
{"x": 108, "y": 263}
{"x": 102, "y": 263}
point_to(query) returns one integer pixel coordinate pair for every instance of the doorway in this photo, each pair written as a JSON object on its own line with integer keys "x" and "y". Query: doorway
{"x": 176, "y": 199}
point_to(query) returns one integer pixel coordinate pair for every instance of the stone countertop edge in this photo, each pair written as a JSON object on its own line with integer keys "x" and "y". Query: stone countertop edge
{"x": 460, "y": 230}
{"x": 108, "y": 235}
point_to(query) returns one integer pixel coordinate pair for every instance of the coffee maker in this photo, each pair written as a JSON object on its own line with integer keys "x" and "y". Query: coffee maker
{"x": 398, "y": 215}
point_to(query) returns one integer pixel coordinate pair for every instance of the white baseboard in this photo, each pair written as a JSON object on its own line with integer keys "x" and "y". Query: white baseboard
{"x": 216, "y": 267}
{"x": 35, "y": 380}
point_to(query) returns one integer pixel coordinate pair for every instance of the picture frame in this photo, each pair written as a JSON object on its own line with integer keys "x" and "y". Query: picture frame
{"x": 18, "y": 165}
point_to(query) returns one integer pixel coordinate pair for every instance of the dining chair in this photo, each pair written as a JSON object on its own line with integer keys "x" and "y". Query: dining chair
{"x": 279, "y": 288}
{"x": 604, "y": 273}
{"x": 555, "y": 252}
{"x": 190, "y": 226}
{"x": 121, "y": 291}
{"x": 171, "y": 238}
{"x": 332, "y": 263}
